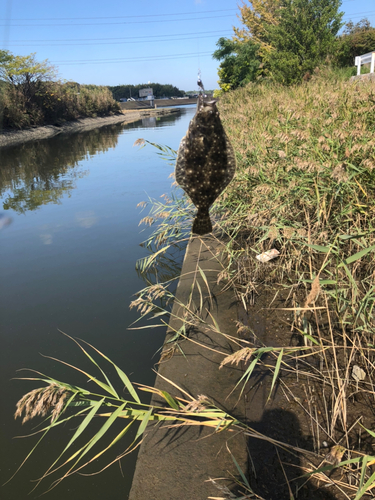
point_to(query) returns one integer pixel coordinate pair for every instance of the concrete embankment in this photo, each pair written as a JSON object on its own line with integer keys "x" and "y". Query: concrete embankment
{"x": 177, "y": 463}
{"x": 16, "y": 137}
{"x": 364, "y": 78}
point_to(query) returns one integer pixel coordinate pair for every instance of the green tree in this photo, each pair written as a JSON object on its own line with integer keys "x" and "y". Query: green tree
{"x": 303, "y": 38}
{"x": 255, "y": 16}
{"x": 160, "y": 90}
{"x": 357, "y": 39}
{"x": 239, "y": 62}
{"x": 24, "y": 72}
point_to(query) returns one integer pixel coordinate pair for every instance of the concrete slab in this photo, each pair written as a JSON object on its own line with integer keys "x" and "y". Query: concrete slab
{"x": 364, "y": 78}
{"x": 178, "y": 463}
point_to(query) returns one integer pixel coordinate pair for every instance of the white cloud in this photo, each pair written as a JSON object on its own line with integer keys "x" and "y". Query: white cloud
{"x": 86, "y": 219}
{"x": 46, "y": 238}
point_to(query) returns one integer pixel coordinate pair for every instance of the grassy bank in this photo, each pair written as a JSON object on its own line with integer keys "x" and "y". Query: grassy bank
{"x": 305, "y": 185}
{"x": 52, "y": 103}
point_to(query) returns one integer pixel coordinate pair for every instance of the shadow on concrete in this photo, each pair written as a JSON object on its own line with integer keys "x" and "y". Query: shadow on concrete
{"x": 266, "y": 464}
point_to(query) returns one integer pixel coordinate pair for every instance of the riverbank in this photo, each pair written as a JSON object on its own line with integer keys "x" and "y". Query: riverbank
{"x": 304, "y": 186}
{"x": 16, "y": 137}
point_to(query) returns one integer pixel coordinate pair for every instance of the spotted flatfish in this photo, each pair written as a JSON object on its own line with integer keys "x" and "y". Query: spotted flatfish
{"x": 205, "y": 162}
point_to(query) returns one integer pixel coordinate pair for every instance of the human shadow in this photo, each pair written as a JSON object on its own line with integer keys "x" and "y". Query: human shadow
{"x": 272, "y": 468}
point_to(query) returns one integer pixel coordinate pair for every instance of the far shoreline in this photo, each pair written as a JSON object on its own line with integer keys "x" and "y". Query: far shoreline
{"x": 9, "y": 137}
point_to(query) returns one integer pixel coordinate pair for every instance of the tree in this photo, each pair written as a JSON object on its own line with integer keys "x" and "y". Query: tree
{"x": 357, "y": 39}
{"x": 239, "y": 62}
{"x": 160, "y": 90}
{"x": 304, "y": 36}
{"x": 255, "y": 17}
{"x": 21, "y": 70}
{"x": 24, "y": 72}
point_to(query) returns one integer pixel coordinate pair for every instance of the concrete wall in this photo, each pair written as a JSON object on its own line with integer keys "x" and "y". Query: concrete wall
{"x": 177, "y": 463}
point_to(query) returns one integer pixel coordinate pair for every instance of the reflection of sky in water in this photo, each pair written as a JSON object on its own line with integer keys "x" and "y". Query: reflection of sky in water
{"x": 86, "y": 219}
{"x": 68, "y": 262}
{"x": 46, "y": 238}
{"x": 83, "y": 219}
{"x": 149, "y": 122}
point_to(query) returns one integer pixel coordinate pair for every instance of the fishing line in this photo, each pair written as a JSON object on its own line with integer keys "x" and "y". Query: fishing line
{"x": 199, "y": 79}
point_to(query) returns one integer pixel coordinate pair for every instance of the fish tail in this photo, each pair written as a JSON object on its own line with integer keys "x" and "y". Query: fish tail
{"x": 202, "y": 223}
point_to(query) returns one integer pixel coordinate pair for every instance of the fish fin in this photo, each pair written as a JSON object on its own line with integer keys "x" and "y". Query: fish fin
{"x": 202, "y": 224}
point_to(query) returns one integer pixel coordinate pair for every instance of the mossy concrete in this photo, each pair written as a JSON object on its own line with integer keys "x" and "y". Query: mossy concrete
{"x": 177, "y": 463}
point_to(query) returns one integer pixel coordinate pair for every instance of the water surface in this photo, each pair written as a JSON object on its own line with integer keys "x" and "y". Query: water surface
{"x": 67, "y": 262}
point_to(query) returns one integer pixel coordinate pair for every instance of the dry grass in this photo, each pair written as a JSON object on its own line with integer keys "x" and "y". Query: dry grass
{"x": 41, "y": 402}
{"x": 305, "y": 185}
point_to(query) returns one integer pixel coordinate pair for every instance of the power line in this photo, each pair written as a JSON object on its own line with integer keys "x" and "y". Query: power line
{"x": 355, "y": 16}
{"x": 116, "y": 38}
{"x": 117, "y": 17}
{"x": 361, "y": 13}
{"x": 109, "y": 43}
{"x": 99, "y": 42}
{"x": 118, "y": 23}
{"x": 132, "y": 59}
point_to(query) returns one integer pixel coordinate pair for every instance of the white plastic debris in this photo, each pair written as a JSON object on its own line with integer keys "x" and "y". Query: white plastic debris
{"x": 358, "y": 374}
{"x": 269, "y": 255}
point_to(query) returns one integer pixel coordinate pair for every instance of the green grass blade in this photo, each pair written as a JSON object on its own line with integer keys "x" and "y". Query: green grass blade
{"x": 358, "y": 255}
{"x": 365, "y": 487}
{"x": 143, "y": 424}
{"x": 276, "y": 372}
{"x": 363, "y": 472}
{"x": 124, "y": 378}
{"x": 170, "y": 400}
{"x": 249, "y": 371}
{"x": 244, "y": 479}
{"x": 351, "y": 236}
{"x": 372, "y": 433}
{"x": 85, "y": 422}
{"x": 102, "y": 431}
{"x": 204, "y": 278}
{"x": 320, "y": 248}
{"x": 28, "y": 455}
{"x": 101, "y": 384}
{"x": 95, "y": 407}
{"x": 114, "y": 393}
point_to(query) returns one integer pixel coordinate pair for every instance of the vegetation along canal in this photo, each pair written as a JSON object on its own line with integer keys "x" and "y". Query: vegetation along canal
{"x": 67, "y": 262}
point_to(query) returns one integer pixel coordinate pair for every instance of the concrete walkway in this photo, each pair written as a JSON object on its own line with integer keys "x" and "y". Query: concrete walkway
{"x": 178, "y": 463}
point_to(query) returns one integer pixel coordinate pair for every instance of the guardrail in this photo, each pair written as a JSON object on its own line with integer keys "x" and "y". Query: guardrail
{"x": 365, "y": 59}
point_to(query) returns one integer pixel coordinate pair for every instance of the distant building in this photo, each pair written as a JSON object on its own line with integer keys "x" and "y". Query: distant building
{"x": 146, "y": 92}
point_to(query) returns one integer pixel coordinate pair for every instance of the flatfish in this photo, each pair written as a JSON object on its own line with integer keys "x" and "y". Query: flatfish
{"x": 205, "y": 162}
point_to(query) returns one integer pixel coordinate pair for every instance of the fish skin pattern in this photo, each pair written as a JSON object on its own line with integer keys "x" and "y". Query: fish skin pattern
{"x": 205, "y": 162}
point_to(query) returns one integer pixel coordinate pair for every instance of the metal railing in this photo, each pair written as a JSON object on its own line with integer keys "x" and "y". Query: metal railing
{"x": 365, "y": 59}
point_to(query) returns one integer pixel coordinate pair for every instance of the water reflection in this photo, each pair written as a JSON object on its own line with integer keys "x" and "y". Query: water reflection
{"x": 42, "y": 172}
{"x": 166, "y": 267}
{"x": 4, "y": 221}
{"x": 149, "y": 121}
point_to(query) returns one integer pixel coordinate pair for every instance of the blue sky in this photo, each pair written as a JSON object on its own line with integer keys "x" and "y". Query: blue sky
{"x": 122, "y": 42}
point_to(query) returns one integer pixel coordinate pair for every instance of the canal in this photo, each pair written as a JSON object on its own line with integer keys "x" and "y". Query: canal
{"x": 67, "y": 262}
